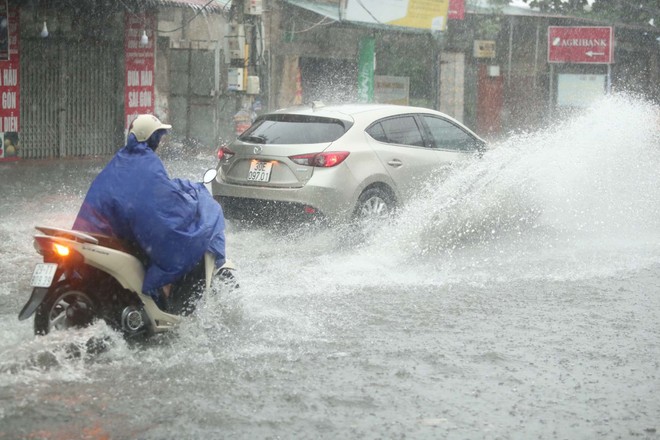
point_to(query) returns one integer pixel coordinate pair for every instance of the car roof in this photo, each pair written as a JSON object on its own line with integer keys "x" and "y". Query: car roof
{"x": 351, "y": 112}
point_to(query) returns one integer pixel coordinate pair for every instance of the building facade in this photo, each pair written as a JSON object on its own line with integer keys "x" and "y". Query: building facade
{"x": 84, "y": 69}
{"x": 74, "y": 73}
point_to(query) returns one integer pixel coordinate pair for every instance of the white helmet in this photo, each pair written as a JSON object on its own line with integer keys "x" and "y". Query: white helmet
{"x": 144, "y": 126}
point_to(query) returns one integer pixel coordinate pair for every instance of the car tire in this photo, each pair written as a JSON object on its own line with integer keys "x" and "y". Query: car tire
{"x": 374, "y": 204}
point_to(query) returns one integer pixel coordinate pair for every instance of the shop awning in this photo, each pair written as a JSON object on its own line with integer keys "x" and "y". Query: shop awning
{"x": 333, "y": 12}
{"x": 328, "y": 10}
{"x": 195, "y": 4}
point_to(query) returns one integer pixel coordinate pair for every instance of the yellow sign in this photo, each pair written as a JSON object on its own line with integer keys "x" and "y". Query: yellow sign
{"x": 484, "y": 49}
{"x": 421, "y": 14}
{"x": 425, "y": 14}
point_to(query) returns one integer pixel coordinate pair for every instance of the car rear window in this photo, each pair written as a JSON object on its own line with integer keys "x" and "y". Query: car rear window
{"x": 294, "y": 129}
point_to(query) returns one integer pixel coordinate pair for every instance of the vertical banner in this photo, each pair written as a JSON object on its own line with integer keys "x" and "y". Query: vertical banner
{"x": 456, "y": 10}
{"x": 139, "y": 93}
{"x": 9, "y": 83}
{"x": 366, "y": 69}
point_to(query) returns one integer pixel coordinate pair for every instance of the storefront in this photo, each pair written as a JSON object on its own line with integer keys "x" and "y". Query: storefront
{"x": 75, "y": 74}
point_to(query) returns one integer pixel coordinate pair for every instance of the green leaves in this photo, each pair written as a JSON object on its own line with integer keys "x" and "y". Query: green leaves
{"x": 639, "y": 12}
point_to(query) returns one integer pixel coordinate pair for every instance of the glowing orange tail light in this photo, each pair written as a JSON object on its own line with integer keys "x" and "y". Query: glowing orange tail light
{"x": 61, "y": 250}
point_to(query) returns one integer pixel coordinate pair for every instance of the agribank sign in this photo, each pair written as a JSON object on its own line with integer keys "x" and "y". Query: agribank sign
{"x": 421, "y": 14}
{"x": 581, "y": 45}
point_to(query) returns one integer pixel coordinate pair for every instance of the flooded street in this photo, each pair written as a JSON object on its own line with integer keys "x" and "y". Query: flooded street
{"x": 519, "y": 298}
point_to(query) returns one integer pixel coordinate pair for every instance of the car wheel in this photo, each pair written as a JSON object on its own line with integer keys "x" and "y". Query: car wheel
{"x": 374, "y": 204}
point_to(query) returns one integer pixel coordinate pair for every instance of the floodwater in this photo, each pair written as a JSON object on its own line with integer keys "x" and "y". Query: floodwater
{"x": 519, "y": 298}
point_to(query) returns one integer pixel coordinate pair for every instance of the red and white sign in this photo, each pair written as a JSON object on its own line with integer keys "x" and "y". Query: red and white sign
{"x": 581, "y": 45}
{"x": 139, "y": 92}
{"x": 10, "y": 85}
{"x": 456, "y": 10}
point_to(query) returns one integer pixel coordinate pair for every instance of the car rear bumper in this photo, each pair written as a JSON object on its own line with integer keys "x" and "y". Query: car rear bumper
{"x": 308, "y": 202}
{"x": 268, "y": 211}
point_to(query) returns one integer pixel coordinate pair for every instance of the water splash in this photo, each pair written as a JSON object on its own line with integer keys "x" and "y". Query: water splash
{"x": 577, "y": 200}
{"x": 585, "y": 188}
{"x": 63, "y": 356}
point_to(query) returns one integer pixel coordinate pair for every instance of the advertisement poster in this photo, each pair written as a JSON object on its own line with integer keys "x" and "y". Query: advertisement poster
{"x": 421, "y": 14}
{"x": 139, "y": 94}
{"x": 9, "y": 83}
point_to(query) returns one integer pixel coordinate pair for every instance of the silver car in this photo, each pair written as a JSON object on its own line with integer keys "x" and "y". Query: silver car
{"x": 337, "y": 162}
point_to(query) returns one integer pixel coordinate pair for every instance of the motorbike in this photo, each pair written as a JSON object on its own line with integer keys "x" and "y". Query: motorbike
{"x": 85, "y": 277}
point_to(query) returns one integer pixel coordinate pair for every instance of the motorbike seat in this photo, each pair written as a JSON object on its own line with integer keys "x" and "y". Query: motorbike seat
{"x": 119, "y": 245}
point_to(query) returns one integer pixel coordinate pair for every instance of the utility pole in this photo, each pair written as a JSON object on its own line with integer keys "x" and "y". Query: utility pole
{"x": 437, "y": 38}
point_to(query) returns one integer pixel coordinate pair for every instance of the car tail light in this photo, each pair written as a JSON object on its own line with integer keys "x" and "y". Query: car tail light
{"x": 324, "y": 160}
{"x": 225, "y": 153}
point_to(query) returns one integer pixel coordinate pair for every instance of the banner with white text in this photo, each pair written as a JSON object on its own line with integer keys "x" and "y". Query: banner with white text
{"x": 139, "y": 93}
{"x": 9, "y": 83}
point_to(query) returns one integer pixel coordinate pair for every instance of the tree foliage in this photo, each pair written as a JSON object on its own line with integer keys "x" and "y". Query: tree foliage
{"x": 639, "y": 12}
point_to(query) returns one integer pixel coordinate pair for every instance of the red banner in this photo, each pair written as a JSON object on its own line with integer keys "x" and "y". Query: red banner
{"x": 581, "y": 45}
{"x": 456, "y": 10}
{"x": 9, "y": 82}
{"x": 139, "y": 94}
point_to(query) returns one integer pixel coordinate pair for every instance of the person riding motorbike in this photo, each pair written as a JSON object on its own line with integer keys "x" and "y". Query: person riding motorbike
{"x": 173, "y": 221}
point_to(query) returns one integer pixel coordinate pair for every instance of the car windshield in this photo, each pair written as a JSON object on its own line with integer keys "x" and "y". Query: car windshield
{"x": 294, "y": 129}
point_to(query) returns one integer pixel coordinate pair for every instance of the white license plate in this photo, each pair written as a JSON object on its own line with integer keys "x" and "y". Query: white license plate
{"x": 259, "y": 171}
{"x": 43, "y": 274}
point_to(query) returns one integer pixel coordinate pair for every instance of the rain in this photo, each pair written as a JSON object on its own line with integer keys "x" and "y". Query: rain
{"x": 516, "y": 295}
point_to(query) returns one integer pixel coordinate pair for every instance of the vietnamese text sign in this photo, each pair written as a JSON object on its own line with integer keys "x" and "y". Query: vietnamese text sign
{"x": 422, "y": 14}
{"x": 139, "y": 93}
{"x": 9, "y": 82}
{"x": 484, "y": 49}
{"x": 582, "y": 45}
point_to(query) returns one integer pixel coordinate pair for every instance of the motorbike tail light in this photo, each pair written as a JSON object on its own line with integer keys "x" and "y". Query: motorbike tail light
{"x": 225, "y": 153}
{"x": 60, "y": 253}
{"x": 61, "y": 250}
{"x": 323, "y": 160}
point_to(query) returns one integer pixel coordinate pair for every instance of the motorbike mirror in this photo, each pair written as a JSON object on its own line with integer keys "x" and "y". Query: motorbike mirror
{"x": 210, "y": 175}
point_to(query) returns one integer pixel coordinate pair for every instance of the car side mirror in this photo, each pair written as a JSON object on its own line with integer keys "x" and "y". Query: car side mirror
{"x": 210, "y": 175}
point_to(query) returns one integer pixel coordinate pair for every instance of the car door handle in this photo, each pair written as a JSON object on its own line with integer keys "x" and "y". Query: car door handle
{"x": 396, "y": 163}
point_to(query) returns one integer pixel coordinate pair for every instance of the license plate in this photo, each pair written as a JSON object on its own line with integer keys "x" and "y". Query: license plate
{"x": 43, "y": 274}
{"x": 259, "y": 171}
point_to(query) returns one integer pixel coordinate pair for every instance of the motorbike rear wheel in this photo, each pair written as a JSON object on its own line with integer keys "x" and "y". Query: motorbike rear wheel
{"x": 63, "y": 308}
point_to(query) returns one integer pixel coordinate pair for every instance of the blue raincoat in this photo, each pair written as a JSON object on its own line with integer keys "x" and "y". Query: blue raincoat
{"x": 174, "y": 221}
